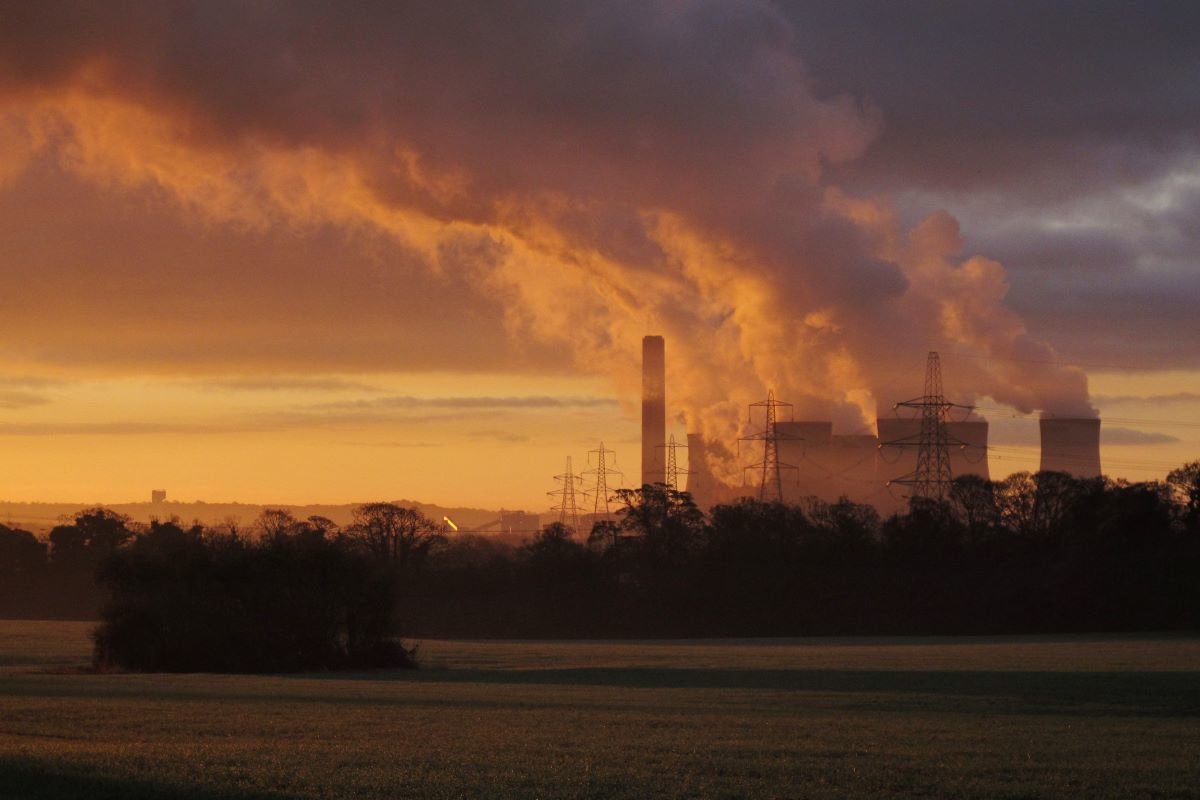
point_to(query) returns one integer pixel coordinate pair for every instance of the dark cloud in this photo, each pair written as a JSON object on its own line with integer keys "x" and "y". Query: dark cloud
{"x": 1055, "y": 98}
{"x": 473, "y": 403}
{"x": 400, "y": 445}
{"x": 1052, "y": 132}
{"x": 1094, "y": 250}
{"x": 130, "y": 285}
{"x": 1174, "y": 398}
{"x": 592, "y": 172}
{"x": 13, "y": 399}
{"x": 280, "y": 383}
{"x": 1136, "y": 321}
{"x": 506, "y": 437}
{"x": 1023, "y": 433}
{"x": 657, "y": 85}
{"x": 1129, "y": 436}
{"x": 117, "y": 428}
{"x": 32, "y": 382}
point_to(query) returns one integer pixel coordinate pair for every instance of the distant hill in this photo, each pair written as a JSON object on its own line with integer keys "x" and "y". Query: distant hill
{"x": 41, "y": 517}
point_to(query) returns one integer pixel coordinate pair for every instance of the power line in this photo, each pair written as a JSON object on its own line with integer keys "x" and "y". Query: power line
{"x": 601, "y": 472}
{"x": 1015, "y": 453}
{"x": 933, "y": 476}
{"x": 770, "y": 487}
{"x": 673, "y": 470}
{"x": 1062, "y": 363}
{"x": 1029, "y": 417}
{"x": 568, "y": 511}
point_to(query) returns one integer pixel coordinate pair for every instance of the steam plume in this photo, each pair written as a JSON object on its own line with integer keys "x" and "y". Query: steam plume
{"x": 641, "y": 167}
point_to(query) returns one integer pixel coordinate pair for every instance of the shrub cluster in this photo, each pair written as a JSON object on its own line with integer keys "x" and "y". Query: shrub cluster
{"x": 186, "y": 601}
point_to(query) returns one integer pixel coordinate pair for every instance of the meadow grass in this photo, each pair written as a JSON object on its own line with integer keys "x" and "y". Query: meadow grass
{"x": 1002, "y": 717}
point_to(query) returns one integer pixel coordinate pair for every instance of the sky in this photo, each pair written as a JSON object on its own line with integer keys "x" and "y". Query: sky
{"x": 314, "y": 252}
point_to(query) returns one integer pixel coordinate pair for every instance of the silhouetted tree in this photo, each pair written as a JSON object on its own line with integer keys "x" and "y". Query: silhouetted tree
{"x": 1035, "y": 505}
{"x": 972, "y": 499}
{"x": 401, "y": 537}
{"x": 665, "y": 520}
{"x": 757, "y": 533}
{"x": 928, "y": 533}
{"x": 1185, "y": 485}
{"x": 604, "y": 533}
{"x": 291, "y": 600}
{"x": 276, "y": 524}
{"x": 23, "y": 573}
{"x": 554, "y": 555}
{"x": 846, "y": 520}
{"x": 20, "y": 552}
{"x": 94, "y": 535}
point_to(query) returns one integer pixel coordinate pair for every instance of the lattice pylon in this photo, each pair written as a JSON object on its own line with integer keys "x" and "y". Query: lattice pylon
{"x": 568, "y": 511}
{"x": 770, "y": 489}
{"x": 673, "y": 471}
{"x": 601, "y": 471}
{"x": 932, "y": 478}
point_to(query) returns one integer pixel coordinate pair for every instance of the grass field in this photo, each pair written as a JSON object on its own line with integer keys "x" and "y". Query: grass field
{"x": 1038, "y": 717}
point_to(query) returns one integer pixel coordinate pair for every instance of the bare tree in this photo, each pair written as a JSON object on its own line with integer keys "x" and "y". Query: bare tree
{"x": 1038, "y": 504}
{"x": 973, "y": 500}
{"x": 400, "y": 536}
{"x": 1185, "y": 485}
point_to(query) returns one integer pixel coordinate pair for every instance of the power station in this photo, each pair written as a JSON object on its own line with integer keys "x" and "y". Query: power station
{"x": 906, "y": 454}
{"x": 858, "y": 466}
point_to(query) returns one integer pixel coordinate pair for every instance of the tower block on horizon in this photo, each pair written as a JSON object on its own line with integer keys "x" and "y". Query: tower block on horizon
{"x": 654, "y": 410}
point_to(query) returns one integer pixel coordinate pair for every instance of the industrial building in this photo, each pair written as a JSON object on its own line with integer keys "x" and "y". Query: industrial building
{"x": 819, "y": 463}
{"x": 816, "y": 462}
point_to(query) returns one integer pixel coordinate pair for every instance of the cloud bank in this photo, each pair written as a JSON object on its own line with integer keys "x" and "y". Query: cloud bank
{"x": 584, "y": 173}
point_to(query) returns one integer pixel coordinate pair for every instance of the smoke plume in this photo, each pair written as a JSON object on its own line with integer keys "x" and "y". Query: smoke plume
{"x": 604, "y": 170}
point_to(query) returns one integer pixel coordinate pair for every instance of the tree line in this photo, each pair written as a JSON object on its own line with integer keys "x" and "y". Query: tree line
{"x": 1040, "y": 552}
{"x": 1033, "y": 553}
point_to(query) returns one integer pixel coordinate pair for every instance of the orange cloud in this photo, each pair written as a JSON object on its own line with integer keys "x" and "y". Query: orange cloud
{"x": 589, "y": 225}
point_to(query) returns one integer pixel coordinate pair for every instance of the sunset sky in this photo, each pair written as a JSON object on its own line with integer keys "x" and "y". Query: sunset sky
{"x": 334, "y": 252}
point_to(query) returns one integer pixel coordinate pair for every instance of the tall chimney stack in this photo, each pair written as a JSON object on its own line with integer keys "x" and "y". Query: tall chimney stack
{"x": 1071, "y": 445}
{"x": 654, "y": 410}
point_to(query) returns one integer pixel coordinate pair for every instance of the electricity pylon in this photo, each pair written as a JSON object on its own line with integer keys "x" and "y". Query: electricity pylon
{"x": 932, "y": 477}
{"x": 601, "y": 471}
{"x": 770, "y": 487}
{"x": 673, "y": 471}
{"x": 568, "y": 511}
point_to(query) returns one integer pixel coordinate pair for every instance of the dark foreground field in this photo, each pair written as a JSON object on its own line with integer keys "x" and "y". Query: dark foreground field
{"x": 1069, "y": 717}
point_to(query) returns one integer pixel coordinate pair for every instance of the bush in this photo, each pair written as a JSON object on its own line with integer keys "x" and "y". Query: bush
{"x": 181, "y": 602}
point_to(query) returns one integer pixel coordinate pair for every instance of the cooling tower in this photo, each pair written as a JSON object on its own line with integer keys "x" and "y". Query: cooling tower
{"x": 654, "y": 410}
{"x": 854, "y": 473}
{"x": 805, "y": 446}
{"x": 899, "y": 440}
{"x": 969, "y": 457}
{"x": 1072, "y": 446}
{"x": 895, "y": 460}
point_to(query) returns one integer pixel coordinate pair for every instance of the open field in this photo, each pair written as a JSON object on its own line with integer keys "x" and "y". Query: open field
{"x": 1037, "y": 717}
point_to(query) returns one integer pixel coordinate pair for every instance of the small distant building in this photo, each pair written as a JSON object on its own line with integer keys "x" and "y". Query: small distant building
{"x": 158, "y": 495}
